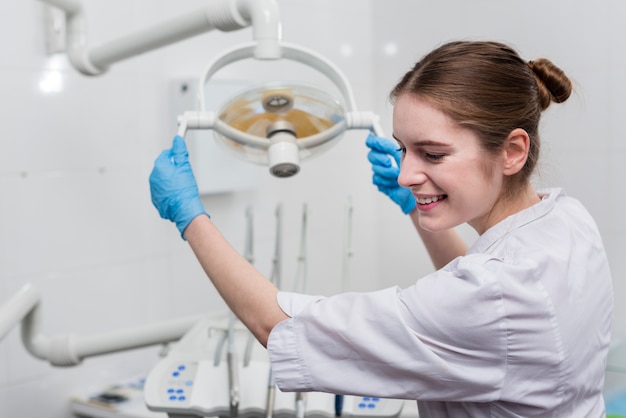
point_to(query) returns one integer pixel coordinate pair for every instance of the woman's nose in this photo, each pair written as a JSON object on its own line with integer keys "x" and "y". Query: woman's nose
{"x": 411, "y": 172}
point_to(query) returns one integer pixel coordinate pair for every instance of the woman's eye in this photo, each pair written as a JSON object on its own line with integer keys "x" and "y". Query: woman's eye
{"x": 402, "y": 150}
{"x": 434, "y": 157}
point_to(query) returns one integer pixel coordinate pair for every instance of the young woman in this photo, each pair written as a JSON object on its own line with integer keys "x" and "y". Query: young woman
{"x": 516, "y": 325}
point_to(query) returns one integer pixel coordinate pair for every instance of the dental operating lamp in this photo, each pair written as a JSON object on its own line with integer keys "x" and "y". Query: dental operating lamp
{"x": 275, "y": 124}
{"x": 278, "y": 124}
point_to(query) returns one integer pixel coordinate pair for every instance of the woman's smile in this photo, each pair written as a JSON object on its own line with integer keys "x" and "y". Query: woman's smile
{"x": 429, "y": 202}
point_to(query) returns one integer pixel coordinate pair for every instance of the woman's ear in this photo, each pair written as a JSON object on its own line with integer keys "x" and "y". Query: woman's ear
{"x": 515, "y": 152}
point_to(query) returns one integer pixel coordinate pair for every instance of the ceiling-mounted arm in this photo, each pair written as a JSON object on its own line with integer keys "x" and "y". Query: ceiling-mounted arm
{"x": 223, "y": 15}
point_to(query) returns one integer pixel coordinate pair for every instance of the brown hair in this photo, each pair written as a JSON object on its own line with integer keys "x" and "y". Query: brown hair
{"x": 489, "y": 88}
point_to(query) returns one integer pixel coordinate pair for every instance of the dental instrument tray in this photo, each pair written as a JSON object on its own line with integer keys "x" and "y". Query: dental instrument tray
{"x": 193, "y": 380}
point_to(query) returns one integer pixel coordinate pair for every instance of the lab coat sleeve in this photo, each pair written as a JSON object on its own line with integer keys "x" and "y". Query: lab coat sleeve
{"x": 443, "y": 338}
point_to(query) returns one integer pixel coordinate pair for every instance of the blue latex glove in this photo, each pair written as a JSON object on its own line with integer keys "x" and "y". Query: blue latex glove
{"x": 386, "y": 173}
{"x": 173, "y": 186}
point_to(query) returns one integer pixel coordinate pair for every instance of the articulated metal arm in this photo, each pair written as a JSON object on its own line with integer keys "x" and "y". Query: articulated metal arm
{"x": 223, "y": 15}
{"x": 70, "y": 349}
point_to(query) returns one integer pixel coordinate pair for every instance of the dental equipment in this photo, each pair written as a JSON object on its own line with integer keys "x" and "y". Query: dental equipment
{"x": 231, "y": 356}
{"x": 187, "y": 384}
{"x": 347, "y": 246}
{"x": 249, "y": 255}
{"x": 71, "y": 349}
{"x": 300, "y": 282}
{"x": 276, "y": 124}
{"x": 275, "y": 276}
{"x": 300, "y": 405}
{"x": 190, "y": 382}
{"x": 223, "y": 15}
{"x": 345, "y": 278}
{"x": 270, "y": 402}
{"x": 300, "y": 285}
{"x": 233, "y": 375}
{"x": 279, "y": 124}
{"x": 275, "y": 279}
{"x": 300, "y": 122}
{"x": 249, "y": 244}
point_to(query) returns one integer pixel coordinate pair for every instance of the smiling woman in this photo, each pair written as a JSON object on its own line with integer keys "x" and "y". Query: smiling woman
{"x": 516, "y": 325}
{"x": 437, "y": 152}
{"x": 499, "y": 97}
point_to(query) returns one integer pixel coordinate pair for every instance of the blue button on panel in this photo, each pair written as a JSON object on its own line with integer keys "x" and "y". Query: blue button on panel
{"x": 180, "y": 382}
{"x": 368, "y": 402}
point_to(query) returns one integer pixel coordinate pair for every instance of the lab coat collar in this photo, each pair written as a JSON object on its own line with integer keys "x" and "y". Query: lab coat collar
{"x": 513, "y": 222}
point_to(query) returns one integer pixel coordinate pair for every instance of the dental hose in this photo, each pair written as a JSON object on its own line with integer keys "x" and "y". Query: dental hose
{"x": 299, "y": 405}
{"x": 233, "y": 376}
{"x": 301, "y": 286}
{"x": 345, "y": 279}
{"x": 271, "y": 396}
{"x": 231, "y": 355}
{"x": 275, "y": 279}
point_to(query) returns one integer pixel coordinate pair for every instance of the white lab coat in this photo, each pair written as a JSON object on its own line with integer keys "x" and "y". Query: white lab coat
{"x": 518, "y": 327}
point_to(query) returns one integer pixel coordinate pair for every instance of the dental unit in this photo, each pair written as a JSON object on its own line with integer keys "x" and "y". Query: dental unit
{"x": 277, "y": 125}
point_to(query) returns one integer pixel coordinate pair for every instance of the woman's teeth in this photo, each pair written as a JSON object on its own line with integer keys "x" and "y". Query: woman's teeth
{"x": 427, "y": 200}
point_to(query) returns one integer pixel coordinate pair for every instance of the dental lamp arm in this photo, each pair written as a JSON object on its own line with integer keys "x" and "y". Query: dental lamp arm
{"x": 224, "y": 15}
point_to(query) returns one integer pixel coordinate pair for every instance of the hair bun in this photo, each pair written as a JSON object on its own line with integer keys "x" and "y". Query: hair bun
{"x": 554, "y": 85}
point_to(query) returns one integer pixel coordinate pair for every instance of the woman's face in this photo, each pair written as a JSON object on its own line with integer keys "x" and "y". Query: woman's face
{"x": 453, "y": 179}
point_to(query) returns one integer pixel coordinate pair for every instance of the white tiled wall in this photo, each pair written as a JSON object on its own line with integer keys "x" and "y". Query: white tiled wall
{"x": 75, "y": 212}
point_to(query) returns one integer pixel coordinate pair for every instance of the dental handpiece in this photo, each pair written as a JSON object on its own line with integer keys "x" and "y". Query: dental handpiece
{"x": 233, "y": 380}
{"x": 233, "y": 375}
{"x": 271, "y": 396}
{"x": 299, "y": 405}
